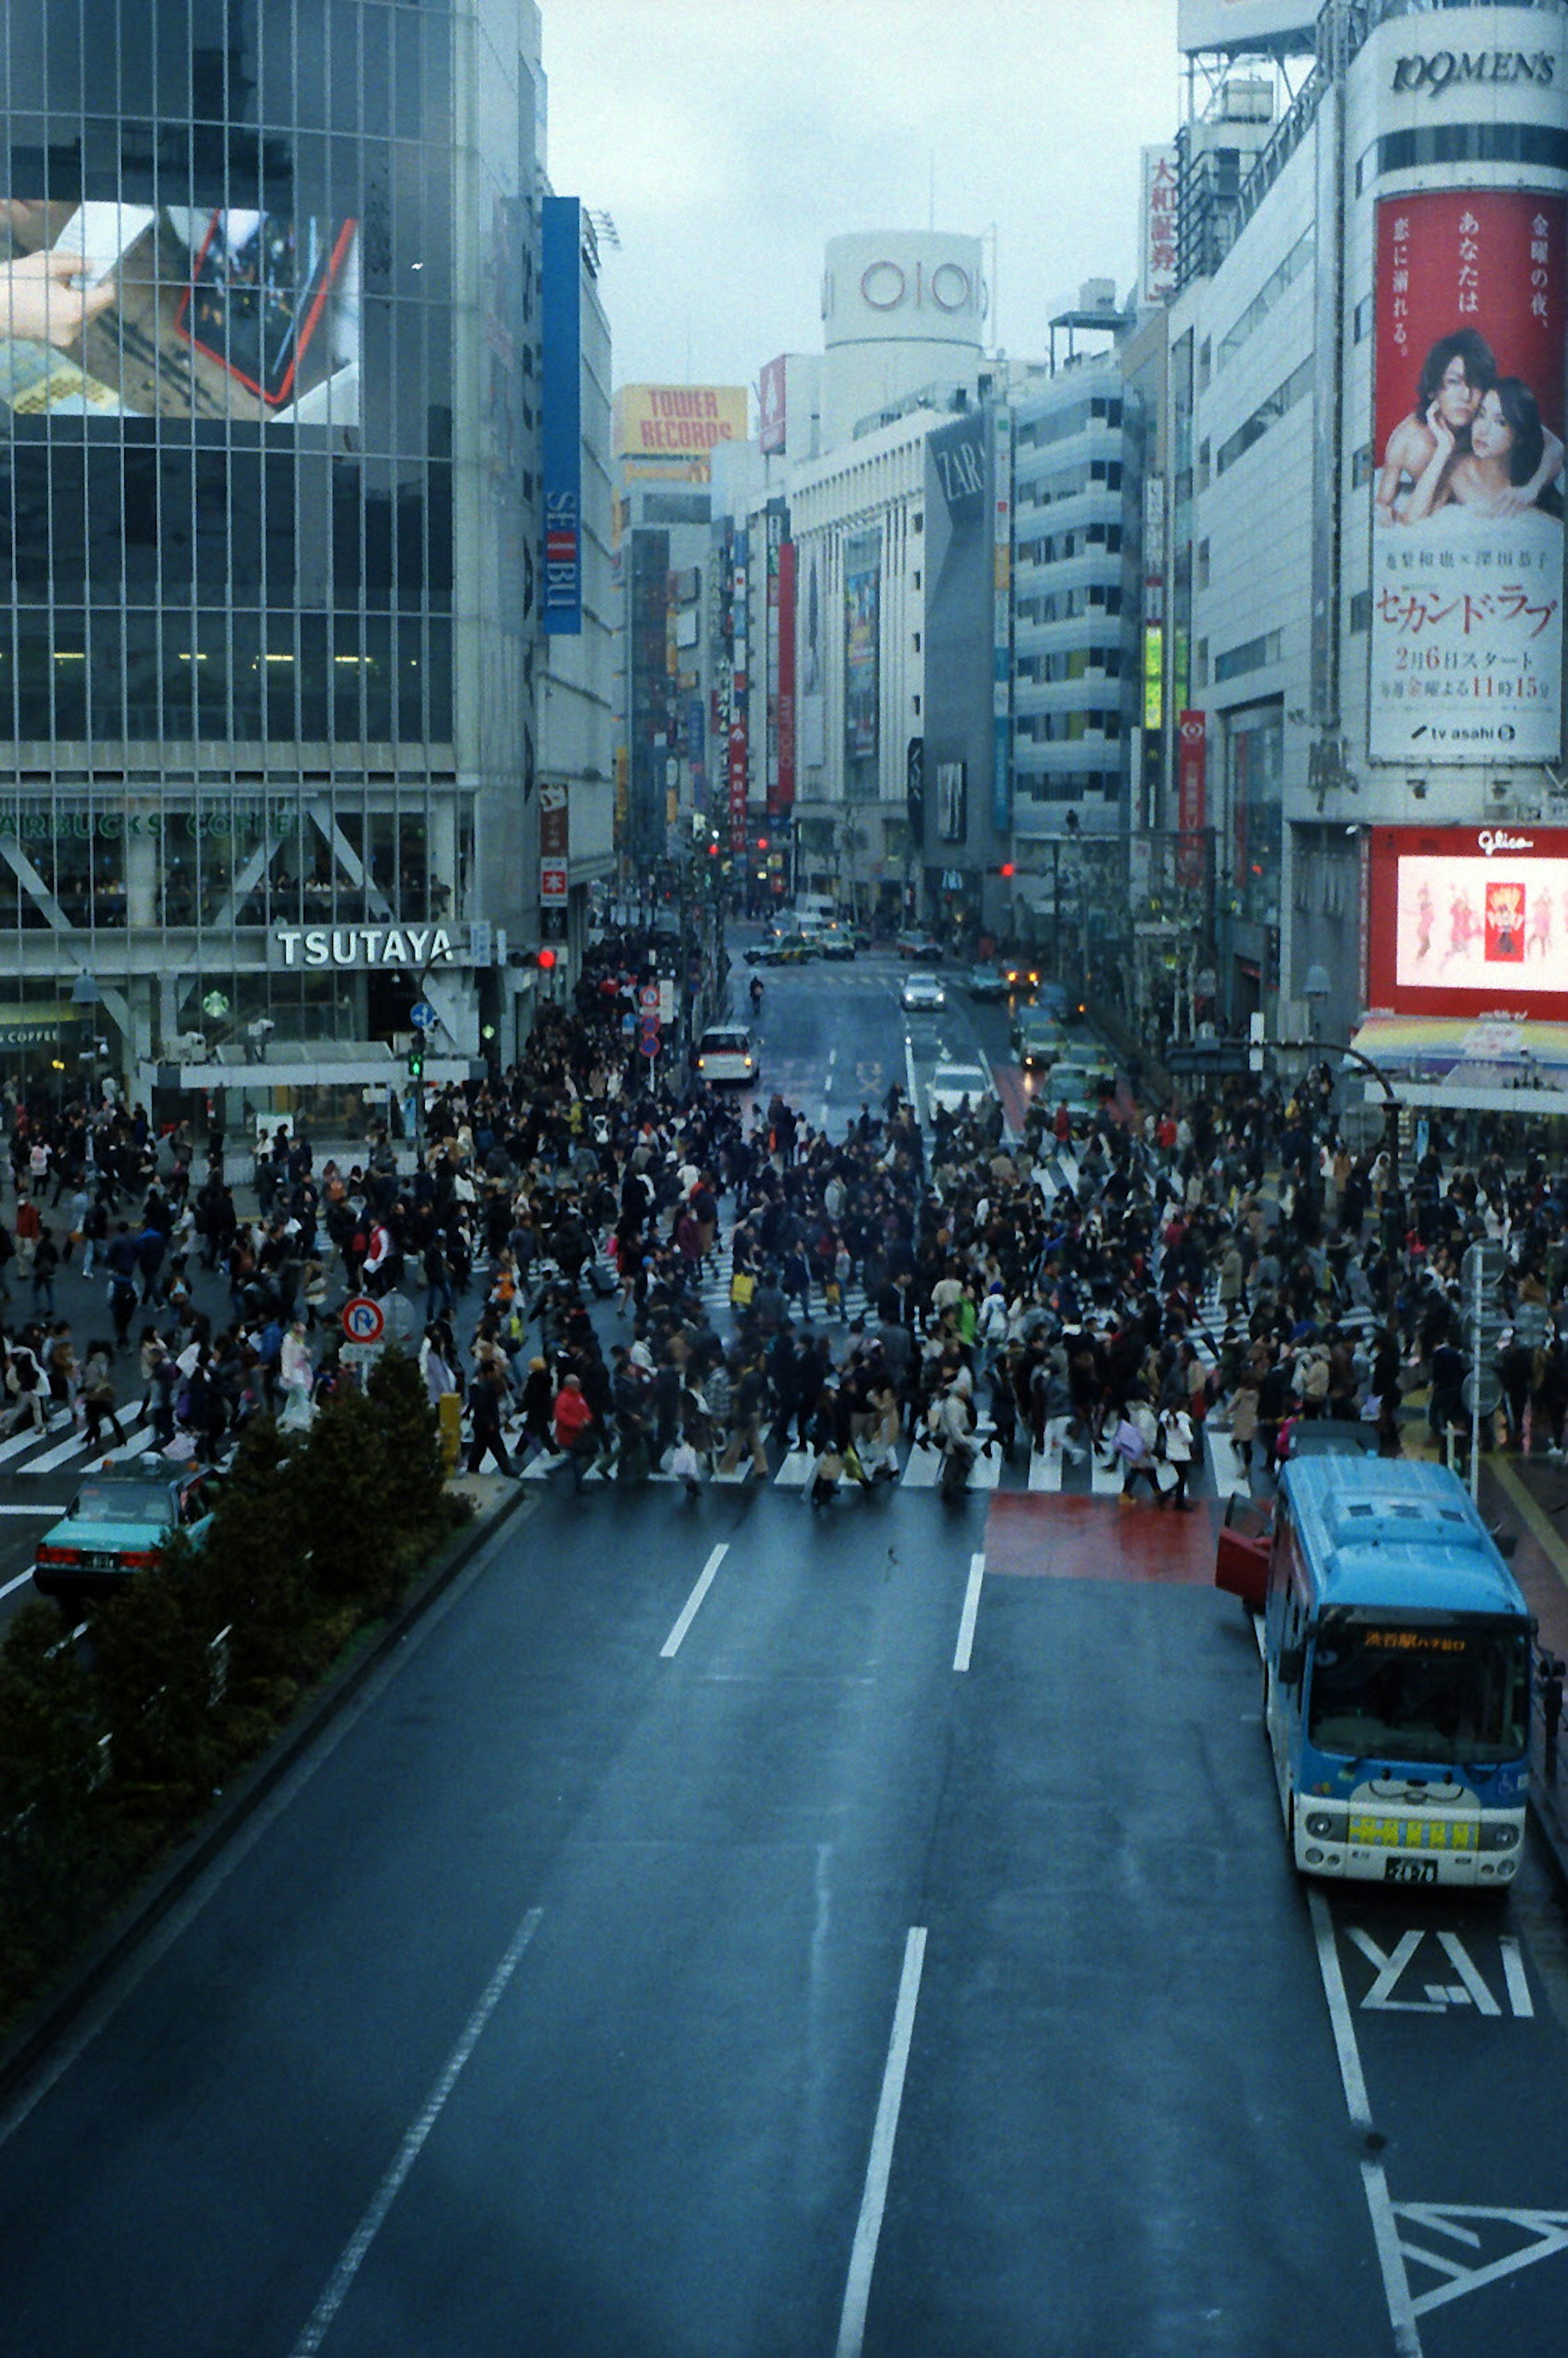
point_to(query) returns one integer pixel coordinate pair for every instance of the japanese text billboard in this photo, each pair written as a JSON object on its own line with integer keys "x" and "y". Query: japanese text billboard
{"x": 1468, "y": 921}
{"x": 1157, "y": 226}
{"x": 1466, "y": 620}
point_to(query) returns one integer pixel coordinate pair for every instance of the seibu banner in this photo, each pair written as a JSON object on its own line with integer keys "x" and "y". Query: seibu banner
{"x": 1468, "y": 921}
{"x": 1467, "y": 588}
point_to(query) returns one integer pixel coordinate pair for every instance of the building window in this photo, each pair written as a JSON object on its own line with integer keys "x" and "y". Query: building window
{"x": 1361, "y": 467}
{"x": 1363, "y": 319}
{"x": 1268, "y": 295}
{"x": 1361, "y": 611}
{"x": 1251, "y": 656}
{"x": 1284, "y": 399}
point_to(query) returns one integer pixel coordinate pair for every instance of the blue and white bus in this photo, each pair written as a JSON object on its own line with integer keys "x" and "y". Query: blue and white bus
{"x": 1397, "y": 1653}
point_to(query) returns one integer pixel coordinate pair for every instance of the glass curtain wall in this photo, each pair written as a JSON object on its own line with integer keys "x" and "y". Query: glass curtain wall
{"x": 226, "y": 493}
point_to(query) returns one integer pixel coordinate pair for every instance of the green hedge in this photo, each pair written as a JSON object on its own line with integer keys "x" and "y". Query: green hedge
{"x": 115, "y": 1743}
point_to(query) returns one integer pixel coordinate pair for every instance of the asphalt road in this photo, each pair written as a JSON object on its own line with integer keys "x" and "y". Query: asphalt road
{"x": 735, "y": 1930}
{"x": 728, "y": 1930}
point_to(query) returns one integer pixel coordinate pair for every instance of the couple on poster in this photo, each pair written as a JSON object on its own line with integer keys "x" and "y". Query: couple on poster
{"x": 1473, "y": 440}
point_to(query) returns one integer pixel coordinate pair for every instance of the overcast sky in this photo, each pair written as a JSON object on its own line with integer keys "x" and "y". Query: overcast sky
{"x": 729, "y": 139}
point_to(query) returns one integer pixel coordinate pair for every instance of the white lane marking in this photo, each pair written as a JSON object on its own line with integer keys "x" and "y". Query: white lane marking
{"x": 364, "y": 2235}
{"x": 1339, "y": 2014}
{"x": 909, "y": 1075}
{"x": 879, "y": 2168}
{"x": 1514, "y": 1977}
{"x": 689, "y": 1612}
{"x": 971, "y": 1610}
{"x": 39, "y": 1509}
{"x": 1396, "y": 2283}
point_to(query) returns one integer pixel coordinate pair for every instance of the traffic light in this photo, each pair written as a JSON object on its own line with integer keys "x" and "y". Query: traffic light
{"x": 1008, "y": 867}
{"x": 416, "y": 1060}
{"x": 546, "y": 961}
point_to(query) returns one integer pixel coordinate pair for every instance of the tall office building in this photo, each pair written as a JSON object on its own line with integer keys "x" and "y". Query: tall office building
{"x": 1365, "y": 434}
{"x": 270, "y": 500}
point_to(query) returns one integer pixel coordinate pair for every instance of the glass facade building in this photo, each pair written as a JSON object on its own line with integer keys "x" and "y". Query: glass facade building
{"x": 268, "y": 513}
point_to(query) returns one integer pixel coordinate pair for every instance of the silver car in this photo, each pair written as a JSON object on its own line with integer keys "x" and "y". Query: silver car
{"x": 923, "y": 995}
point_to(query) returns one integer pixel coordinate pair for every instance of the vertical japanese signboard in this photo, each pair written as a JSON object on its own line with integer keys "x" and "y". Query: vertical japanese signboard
{"x": 1466, "y": 625}
{"x": 1157, "y": 226}
{"x": 1192, "y": 794}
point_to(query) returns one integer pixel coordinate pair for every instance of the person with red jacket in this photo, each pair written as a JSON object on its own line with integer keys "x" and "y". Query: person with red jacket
{"x": 571, "y": 1420}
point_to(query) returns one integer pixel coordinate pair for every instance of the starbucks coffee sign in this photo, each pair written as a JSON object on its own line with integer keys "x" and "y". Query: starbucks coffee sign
{"x": 363, "y": 945}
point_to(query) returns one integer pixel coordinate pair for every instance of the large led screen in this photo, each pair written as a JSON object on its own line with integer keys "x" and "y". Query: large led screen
{"x": 1466, "y": 620}
{"x": 1468, "y": 921}
{"x": 202, "y": 312}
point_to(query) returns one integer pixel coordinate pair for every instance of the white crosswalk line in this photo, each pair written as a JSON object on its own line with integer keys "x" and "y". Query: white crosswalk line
{"x": 1106, "y": 1479}
{"x": 1230, "y": 1475}
{"x": 1044, "y": 1469}
{"x": 795, "y": 1471}
{"x": 28, "y": 1438}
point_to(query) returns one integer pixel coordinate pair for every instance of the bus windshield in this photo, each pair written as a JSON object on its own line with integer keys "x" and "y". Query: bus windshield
{"x": 1416, "y": 1692}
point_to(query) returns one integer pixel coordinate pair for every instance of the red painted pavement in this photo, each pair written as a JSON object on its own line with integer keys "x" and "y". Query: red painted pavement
{"x": 1041, "y": 1535}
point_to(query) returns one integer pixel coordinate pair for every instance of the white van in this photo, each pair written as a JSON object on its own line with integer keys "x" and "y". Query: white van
{"x": 813, "y": 911}
{"x": 727, "y": 1053}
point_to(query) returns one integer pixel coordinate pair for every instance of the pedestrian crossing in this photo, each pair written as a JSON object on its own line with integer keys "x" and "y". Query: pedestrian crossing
{"x": 1219, "y": 1474}
{"x": 63, "y": 1443}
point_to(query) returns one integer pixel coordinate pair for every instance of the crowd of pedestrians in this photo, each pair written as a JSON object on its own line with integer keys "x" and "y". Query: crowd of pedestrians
{"x": 624, "y": 1278}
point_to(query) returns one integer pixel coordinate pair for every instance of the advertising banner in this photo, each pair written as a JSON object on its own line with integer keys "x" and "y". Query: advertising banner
{"x": 1466, "y": 625}
{"x": 862, "y": 632}
{"x": 560, "y": 387}
{"x": 773, "y": 397}
{"x": 1468, "y": 921}
{"x": 783, "y": 798}
{"x": 678, "y": 421}
{"x": 196, "y": 309}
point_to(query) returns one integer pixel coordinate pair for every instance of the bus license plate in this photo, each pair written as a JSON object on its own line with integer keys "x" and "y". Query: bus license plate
{"x": 1409, "y": 1870}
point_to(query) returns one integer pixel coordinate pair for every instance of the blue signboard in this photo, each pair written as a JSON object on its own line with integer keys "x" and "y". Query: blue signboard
{"x": 560, "y": 374}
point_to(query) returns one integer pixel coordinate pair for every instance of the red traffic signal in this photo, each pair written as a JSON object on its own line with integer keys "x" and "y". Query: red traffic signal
{"x": 761, "y": 843}
{"x": 1007, "y": 868}
{"x": 546, "y": 961}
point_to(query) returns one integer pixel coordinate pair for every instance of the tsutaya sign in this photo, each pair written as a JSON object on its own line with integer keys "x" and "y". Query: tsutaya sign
{"x": 363, "y": 945}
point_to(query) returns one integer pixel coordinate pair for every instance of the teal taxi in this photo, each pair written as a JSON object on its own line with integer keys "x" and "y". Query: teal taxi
{"x": 117, "y": 1525}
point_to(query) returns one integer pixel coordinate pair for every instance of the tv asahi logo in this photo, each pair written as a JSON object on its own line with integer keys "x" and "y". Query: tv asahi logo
{"x": 1445, "y": 69}
{"x": 1492, "y": 840}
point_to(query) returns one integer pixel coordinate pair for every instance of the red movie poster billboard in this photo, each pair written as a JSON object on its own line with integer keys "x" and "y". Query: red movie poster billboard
{"x": 1468, "y": 921}
{"x": 1466, "y": 623}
